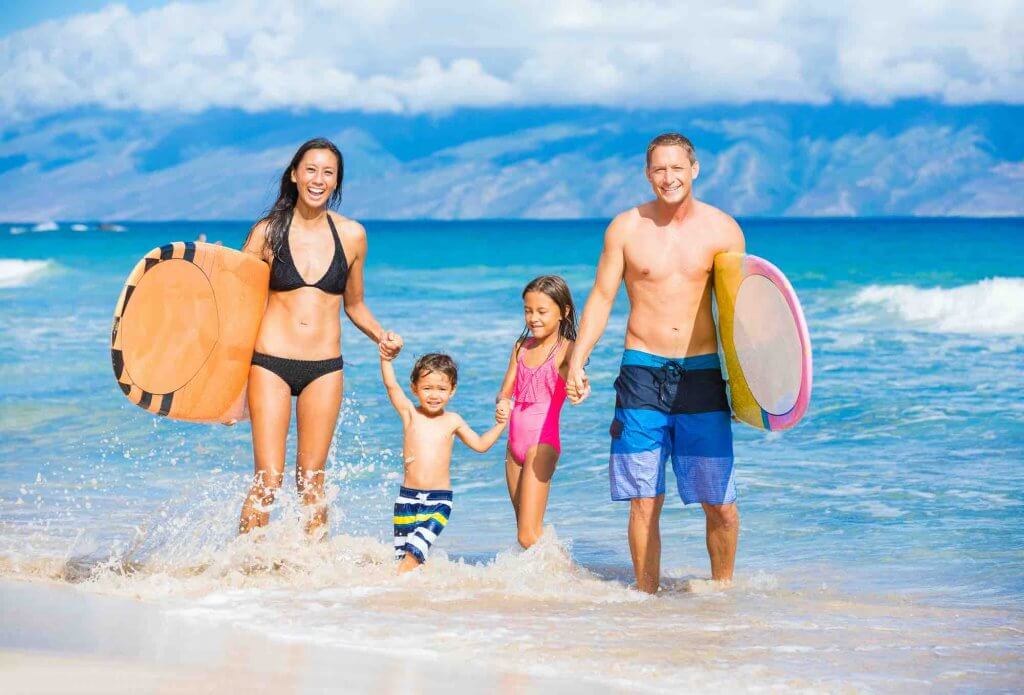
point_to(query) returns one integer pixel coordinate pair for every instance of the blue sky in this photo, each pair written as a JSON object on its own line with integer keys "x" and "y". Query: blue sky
{"x": 535, "y": 109}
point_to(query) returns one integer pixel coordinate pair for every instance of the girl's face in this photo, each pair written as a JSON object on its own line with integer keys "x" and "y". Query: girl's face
{"x": 316, "y": 177}
{"x": 542, "y": 314}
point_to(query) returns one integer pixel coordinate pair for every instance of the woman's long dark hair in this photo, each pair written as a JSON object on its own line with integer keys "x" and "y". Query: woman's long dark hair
{"x": 558, "y": 290}
{"x": 280, "y": 213}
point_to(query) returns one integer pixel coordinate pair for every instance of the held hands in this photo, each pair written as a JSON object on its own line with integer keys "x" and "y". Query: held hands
{"x": 577, "y": 385}
{"x": 390, "y": 345}
{"x": 502, "y": 410}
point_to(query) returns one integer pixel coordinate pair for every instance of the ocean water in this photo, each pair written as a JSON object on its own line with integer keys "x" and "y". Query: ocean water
{"x": 882, "y": 542}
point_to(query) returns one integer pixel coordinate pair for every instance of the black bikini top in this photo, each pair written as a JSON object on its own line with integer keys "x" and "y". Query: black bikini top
{"x": 285, "y": 277}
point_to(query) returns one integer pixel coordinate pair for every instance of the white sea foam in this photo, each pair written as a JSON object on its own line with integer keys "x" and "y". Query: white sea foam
{"x": 46, "y": 227}
{"x": 15, "y": 272}
{"x": 992, "y": 306}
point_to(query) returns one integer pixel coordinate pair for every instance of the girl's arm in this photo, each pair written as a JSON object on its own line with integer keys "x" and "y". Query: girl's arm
{"x": 478, "y": 442}
{"x": 563, "y": 365}
{"x": 503, "y": 401}
{"x": 396, "y": 395}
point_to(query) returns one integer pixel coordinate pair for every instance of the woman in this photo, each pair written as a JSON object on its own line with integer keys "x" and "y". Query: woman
{"x": 316, "y": 259}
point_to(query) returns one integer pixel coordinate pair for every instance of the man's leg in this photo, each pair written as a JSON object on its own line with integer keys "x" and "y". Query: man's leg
{"x": 645, "y": 541}
{"x": 723, "y": 530}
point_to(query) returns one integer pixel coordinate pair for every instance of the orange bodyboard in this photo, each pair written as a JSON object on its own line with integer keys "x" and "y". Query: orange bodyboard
{"x": 184, "y": 330}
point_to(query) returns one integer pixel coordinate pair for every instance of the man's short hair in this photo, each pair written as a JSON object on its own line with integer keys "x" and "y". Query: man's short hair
{"x": 435, "y": 362}
{"x": 669, "y": 139}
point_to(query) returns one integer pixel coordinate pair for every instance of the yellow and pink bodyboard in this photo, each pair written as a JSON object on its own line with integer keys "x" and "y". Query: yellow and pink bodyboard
{"x": 763, "y": 338}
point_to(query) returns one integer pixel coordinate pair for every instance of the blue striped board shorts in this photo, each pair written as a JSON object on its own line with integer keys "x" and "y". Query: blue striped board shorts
{"x": 671, "y": 408}
{"x": 420, "y": 516}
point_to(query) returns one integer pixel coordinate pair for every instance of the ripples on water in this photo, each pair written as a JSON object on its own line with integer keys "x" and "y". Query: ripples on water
{"x": 882, "y": 540}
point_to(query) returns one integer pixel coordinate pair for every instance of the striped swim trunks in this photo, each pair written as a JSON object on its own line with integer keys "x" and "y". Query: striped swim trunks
{"x": 420, "y": 516}
{"x": 671, "y": 408}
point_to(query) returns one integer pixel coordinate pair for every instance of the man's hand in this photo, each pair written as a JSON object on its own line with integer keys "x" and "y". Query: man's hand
{"x": 390, "y": 345}
{"x": 577, "y": 385}
{"x": 502, "y": 411}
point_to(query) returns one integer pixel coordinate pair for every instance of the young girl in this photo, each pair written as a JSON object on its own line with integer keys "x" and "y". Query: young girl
{"x": 532, "y": 395}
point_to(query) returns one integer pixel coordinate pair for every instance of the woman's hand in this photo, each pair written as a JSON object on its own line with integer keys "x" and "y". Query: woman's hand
{"x": 390, "y": 345}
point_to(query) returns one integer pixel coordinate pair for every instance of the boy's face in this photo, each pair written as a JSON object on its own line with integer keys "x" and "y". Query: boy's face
{"x": 433, "y": 390}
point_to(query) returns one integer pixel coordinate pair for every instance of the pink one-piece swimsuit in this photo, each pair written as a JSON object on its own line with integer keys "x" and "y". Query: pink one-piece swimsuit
{"x": 539, "y": 394}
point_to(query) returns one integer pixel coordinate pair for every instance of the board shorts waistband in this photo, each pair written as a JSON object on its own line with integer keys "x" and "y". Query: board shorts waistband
{"x": 639, "y": 358}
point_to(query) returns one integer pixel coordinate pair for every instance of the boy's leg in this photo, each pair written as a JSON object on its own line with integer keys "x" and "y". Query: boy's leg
{"x": 408, "y": 563}
{"x": 534, "y": 486}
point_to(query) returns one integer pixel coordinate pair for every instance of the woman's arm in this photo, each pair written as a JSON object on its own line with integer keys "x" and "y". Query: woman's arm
{"x": 256, "y": 242}
{"x": 355, "y": 306}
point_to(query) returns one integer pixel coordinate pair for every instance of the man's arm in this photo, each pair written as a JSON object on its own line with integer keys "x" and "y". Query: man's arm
{"x": 396, "y": 395}
{"x": 732, "y": 237}
{"x": 610, "y": 270}
{"x": 478, "y": 442}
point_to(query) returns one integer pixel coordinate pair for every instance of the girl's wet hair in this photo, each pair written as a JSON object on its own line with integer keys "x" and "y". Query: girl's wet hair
{"x": 557, "y": 289}
{"x": 280, "y": 212}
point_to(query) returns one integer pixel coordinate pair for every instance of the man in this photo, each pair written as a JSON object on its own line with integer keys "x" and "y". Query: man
{"x": 670, "y": 397}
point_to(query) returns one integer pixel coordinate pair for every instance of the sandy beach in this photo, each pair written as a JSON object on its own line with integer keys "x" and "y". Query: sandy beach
{"x": 60, "y": 639}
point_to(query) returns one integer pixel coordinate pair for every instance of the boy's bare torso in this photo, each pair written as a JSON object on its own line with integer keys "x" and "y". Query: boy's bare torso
{"x": 427, "y": 449}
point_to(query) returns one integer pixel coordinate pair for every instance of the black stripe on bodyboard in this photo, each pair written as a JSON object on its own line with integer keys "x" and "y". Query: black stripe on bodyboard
{"x": 117, "y": 359}
{"x": 190, "y": 251}
{"x": 165, "y": 404}
{"x": 146, "y": 400}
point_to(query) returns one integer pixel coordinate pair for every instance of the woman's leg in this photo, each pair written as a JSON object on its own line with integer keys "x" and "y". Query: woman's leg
{"x": 513, "y": 471}
{"x": 317, "y": 415}
{"x": 534, "y": 484}
{"x": 270, "y": 408}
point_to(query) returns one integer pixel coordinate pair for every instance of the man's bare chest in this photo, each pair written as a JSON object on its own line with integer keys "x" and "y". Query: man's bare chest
{"x": 661, "y": 257}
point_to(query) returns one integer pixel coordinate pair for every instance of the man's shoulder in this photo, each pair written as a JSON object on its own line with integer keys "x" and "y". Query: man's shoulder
{"x": 717, "y": 218}
{"x": 623, "y": 223}
{"x": 723, "y": 227}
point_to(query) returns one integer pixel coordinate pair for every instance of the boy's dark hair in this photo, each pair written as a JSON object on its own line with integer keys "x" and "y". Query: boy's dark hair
{"x": 668, "y": 139}
{"x": 435, "y": 362}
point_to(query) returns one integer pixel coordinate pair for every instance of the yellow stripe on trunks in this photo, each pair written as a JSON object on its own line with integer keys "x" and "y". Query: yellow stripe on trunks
{"x": 417, "y": 518}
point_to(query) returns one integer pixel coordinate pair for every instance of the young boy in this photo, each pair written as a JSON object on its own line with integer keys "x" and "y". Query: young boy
{"x": 425, "y": 498}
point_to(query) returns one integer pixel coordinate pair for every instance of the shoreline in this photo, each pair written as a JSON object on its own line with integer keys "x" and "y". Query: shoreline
{"x": 59, "y": 639}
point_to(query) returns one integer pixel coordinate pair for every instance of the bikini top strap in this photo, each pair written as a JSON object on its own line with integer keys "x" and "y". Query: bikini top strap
{"x": 334, "y": 232}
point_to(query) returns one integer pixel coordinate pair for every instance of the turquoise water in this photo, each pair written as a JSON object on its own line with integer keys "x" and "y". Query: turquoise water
{"x": 902, "y": 489}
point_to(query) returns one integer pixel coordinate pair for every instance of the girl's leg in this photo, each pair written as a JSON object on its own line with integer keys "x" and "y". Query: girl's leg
{"x": 534, "y": 484}
{"x": 317, "y": 415}
{"x": 270, "y": 408}
{"x": 513, "y": 472}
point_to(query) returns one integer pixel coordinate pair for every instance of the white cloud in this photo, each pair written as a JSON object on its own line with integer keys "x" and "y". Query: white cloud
{"x": 415, "y": 57}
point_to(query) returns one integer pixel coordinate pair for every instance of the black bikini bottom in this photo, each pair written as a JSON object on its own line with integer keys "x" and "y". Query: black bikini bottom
{"x": 298, "y": 374}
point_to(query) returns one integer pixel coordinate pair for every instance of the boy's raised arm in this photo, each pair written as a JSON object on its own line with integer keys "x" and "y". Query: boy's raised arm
{"x": 479, "y": 442}
{"x": 396, "y": 395}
